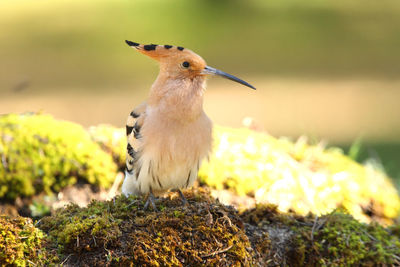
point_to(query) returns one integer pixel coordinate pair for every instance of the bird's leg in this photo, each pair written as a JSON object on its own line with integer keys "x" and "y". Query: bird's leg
{"x": 184, "y": 200}
{"x": 150, "y": 200}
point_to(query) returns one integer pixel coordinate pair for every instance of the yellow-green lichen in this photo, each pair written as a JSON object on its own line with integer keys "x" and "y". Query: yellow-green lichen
{"x": 112, "y": 140}
{"x": 20, "y": 242}
{"x": 297, "y": 176}
{"x": 39, "y": 153}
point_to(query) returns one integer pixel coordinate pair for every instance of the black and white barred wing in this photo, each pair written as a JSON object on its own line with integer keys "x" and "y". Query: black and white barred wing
{"x": 133, "y": 126}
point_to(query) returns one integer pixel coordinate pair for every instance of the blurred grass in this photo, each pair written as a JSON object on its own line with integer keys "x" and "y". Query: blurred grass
{"x": 80, "y": 43}
{"x": 383, "y": 155}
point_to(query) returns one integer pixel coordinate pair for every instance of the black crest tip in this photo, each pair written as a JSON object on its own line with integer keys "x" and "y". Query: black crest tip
{"x": 131, "y": 43}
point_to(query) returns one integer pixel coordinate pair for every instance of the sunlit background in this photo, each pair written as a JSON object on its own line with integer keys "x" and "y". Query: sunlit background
{"x": 326, "y": 69}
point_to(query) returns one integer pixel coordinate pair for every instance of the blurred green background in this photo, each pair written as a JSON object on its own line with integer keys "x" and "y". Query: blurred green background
{"x": 325, "y": 69}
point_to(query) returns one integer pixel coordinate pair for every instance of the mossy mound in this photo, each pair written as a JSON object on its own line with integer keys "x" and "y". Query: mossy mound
{"x": 120, "y": 232}
{"x": 20, "y": 242}
{"x": 297, "y": 176}
{"x": 335, "y": 239}
{"x": 41, "y": 154}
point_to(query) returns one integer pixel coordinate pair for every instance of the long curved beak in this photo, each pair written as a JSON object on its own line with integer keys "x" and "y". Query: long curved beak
{"x": 213, "y": 71}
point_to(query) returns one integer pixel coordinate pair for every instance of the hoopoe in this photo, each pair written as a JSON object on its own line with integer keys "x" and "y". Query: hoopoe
{"x": 169, "y": 134}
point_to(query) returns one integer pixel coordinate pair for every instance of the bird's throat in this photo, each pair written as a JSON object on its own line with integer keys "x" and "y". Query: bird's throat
{"x": 180, "y": 99}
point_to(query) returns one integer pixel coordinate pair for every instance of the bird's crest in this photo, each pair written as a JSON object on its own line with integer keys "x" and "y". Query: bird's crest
{"x": 158, "y": 51}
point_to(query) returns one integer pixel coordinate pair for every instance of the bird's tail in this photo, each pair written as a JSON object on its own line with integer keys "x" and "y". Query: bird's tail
{"x": 129, "y": 186}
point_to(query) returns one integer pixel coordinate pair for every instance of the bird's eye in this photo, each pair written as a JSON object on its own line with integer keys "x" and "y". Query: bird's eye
{"x": 185, "y": 64}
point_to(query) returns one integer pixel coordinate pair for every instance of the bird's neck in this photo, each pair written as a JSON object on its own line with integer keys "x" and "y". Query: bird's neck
{"x": 177, "y": 98}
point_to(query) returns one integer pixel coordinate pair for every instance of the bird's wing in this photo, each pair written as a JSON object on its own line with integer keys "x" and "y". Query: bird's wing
{"x": 133, "y": 125}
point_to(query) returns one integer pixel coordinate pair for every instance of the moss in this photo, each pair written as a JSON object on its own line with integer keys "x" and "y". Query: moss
{"x": 20, "y": 242}
{"x": 112, "y": 140}
{"x": 335, "y": 239}
{"x": 41, "y": 154}
{"x": 119, "y": 232}
{"x": 295, "y": 176}
{"x": 80, "y": 233}
{"x": 298, "y": 176}
{"x": 341, "y": 240}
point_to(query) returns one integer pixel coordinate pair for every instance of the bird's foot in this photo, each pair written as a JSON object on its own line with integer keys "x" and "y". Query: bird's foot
{"x": 150, "y": 201}
{"x": 183, "y": 198}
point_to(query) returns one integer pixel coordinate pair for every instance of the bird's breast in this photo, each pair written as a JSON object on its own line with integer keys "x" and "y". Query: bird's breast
{"x": 173, "y": 142}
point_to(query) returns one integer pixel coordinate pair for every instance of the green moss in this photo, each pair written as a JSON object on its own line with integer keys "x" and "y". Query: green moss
{"x": 120, "y": 232}
{"x": 297, "y": 176}
{"x": 20, "y": 242}
{"x": 80, "y": 233}
{"x": 336, "y": 239}
{"x": 344, "y": 241}
{"x": 39, "y": 153}
{"x": 112, "y": 140}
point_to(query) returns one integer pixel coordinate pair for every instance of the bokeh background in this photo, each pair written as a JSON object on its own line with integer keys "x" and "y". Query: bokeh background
{"x": 329, "y": 70}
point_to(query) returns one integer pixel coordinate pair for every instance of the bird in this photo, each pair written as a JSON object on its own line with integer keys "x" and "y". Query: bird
{"x": 169, "y": 134}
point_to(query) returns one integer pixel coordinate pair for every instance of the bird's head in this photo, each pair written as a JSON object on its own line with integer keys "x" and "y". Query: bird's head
{"x": 178, "y": 62}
